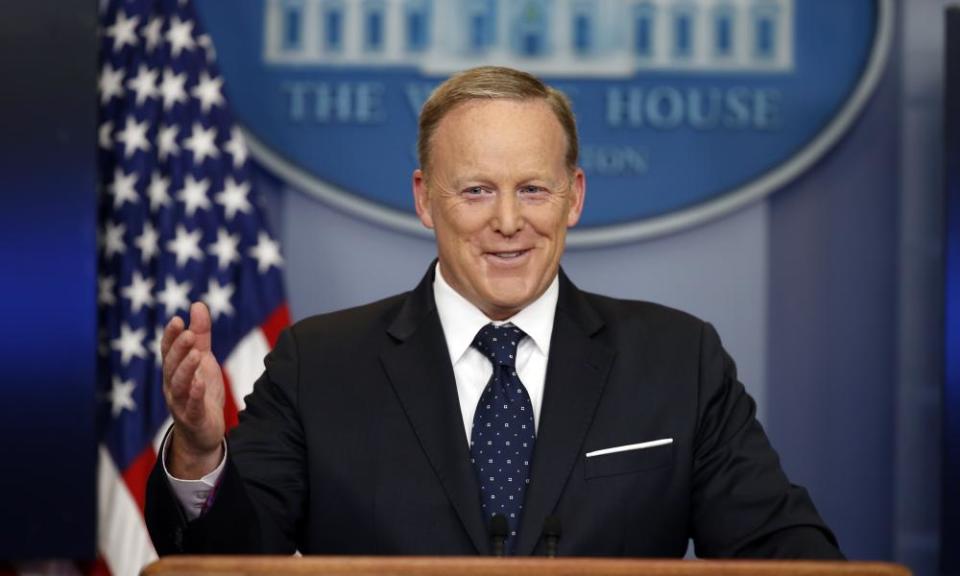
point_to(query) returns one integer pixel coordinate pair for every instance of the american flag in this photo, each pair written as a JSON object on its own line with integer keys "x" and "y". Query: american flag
{"x": 178, "y": 223}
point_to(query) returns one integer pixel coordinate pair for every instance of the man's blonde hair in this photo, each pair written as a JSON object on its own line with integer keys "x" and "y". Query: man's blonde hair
{"x": 493, "y": 83}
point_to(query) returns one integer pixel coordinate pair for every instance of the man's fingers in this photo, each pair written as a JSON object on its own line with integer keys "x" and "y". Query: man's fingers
{"x": 180, "y": 347}
{"x": 183, "y": 376}
{"x": 200, "y": 325}
{"x": 196, "y": 407}
{"x": 174, "y": 328}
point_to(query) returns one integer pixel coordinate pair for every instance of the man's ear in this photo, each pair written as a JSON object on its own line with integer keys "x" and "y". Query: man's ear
{"x": 578, "y": 192}
{"x": 421, "y": 198}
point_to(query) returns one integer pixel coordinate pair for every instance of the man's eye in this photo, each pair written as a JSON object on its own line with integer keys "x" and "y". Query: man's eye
{"x": 531, "y": 190}
{"x": 475, "y": 191}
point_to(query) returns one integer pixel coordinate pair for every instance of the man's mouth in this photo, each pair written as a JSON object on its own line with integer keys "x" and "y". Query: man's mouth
{"x": 508, "y": 256}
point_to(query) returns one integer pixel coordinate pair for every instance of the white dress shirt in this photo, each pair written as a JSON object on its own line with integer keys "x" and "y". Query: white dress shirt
{"x": 460, "y": 321}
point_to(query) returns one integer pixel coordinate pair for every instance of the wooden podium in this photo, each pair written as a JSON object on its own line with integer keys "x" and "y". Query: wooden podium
{"x": 472, "y": 566}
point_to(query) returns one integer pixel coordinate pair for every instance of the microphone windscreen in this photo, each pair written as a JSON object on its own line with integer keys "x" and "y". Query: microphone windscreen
{"x": 498, "y": 526}
{"x": 551, "y": 526}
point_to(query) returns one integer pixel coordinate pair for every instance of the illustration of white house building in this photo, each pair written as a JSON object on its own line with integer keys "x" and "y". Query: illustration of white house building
{"x": 547, "y": 37}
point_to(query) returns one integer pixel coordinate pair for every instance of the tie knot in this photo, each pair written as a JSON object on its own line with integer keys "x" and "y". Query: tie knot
{"x": 499, "y": 343}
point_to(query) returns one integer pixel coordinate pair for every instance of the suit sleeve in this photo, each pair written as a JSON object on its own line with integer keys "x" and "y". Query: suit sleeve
{"x": 258, "y": 508}
{"x": 743, "y": 503}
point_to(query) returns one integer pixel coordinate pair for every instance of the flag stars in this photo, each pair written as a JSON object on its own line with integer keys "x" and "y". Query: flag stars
{"x": 129, "y": 344}
{"x": 202, "y": 142}
{"x": 194, "y": 195}
{"x": 172, "y": 89}
{"x": 105, "y": 290}
{"x": 123, "y": 31}
{"x": 180, "y": 36}
{"x": 208, "y": 92}
{"x": 233, "y": 198}
{"x": 205, "y": 42}
{"x": 225, "y": 249}
{"x": 121, "y": 396}
{"x": 110, "y": 83}
{"x": 148, "y": 242}
{"x": 139, "y": 292}
{"x": 144, "y": 84}
{"x": 113, "y": 239}
{"x": 217, "y": 298}
{"x": 152, "y": 33}
{"x": 123, "y": 188}
{"x": 105, "y": 135}
{"x": 167, "y": 141}
{"x": 158, "y": 191}
{"x": 266, "y": 252}
{"x": 237, "y": 147}
{"x": 155, "y": 346}
{"x": 134, "y": 137}
{"x": 174, "y": 296}
{"x": 186, "y": 246}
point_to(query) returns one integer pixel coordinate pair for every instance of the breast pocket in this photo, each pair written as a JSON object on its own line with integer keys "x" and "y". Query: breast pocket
{"x": 601, "y": 463}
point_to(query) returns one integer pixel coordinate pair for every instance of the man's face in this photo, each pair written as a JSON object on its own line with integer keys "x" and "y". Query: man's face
{"x": 499, "y": 197}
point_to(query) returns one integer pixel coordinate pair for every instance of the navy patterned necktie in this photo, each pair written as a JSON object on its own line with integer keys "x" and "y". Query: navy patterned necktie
{"x": 501, "y": 443}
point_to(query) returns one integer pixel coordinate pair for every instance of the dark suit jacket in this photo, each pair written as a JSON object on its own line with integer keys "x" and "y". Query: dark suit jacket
{"x": 352, "y": 443}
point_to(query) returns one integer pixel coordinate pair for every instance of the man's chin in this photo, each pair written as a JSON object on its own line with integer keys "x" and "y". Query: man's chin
{"x": 503, "y": 303}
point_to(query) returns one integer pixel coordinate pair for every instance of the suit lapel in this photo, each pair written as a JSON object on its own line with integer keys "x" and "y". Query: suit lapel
{"x": 419, "y": 369}
{"x": 576, "y": 374}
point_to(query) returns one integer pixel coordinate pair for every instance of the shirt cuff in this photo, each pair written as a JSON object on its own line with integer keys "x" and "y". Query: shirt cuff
{"x": 195, "y": 496}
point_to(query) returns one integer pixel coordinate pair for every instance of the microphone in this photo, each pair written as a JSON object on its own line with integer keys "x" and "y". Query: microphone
{"x": 498, "y": 533}
{"x": 551, "y": 533}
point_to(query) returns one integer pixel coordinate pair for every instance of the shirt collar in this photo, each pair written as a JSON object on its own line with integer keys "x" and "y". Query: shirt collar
{"x": 461, "y": 320}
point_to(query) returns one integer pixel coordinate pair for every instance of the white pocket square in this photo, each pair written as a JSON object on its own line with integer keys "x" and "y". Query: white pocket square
{"x": 628, "y": 447}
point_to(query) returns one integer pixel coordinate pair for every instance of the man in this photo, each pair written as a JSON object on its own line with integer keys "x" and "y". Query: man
{"x": 495, "y": 389}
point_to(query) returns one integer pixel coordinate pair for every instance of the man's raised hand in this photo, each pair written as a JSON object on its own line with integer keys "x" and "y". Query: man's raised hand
{"x": 193, "y": 388}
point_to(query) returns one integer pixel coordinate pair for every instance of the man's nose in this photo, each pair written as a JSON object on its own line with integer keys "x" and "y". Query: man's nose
{"x": 507, "y": 218}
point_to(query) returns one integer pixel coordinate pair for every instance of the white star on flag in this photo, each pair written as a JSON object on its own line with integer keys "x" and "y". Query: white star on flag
{"x": 237, "y": 147}
{"x": 225, "y": 249}
{"x": 121, "y": 396}
{"x": 174, "y": 296}
{"x": 186, "y": 246}
{"x": 207, "y": 91}
{"x": 266, "y": 252}
{"x": 105, "y": 135}
{"x": 113, "y": 242}
{"x": 144, "y": 84}
{"x": 123, "y": 189}
{"x": 233, "y": 198}
{"x": 172, "y": 88}
{"x": 123, "y": 31}
{"x": 157, "y": 191}
{"x": 202, "y": 142}
{"x": 129, "y": 344}
{"x": 111, "y": 83}
{"x": 167, "y": 141}
{"x": 105, "y": 288}
{"x": 139, "y": 292}
{"x": 206, "y": 43}
{"x": 134, "y": 137}
{"x": 194, "y": 194}
{"x": 180, "y": 36}
{"x": 152, "y": 33}
{"x": 155, "y": 346}
{"x": 148, "y": 242}
{"x": 217, "y": 298}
